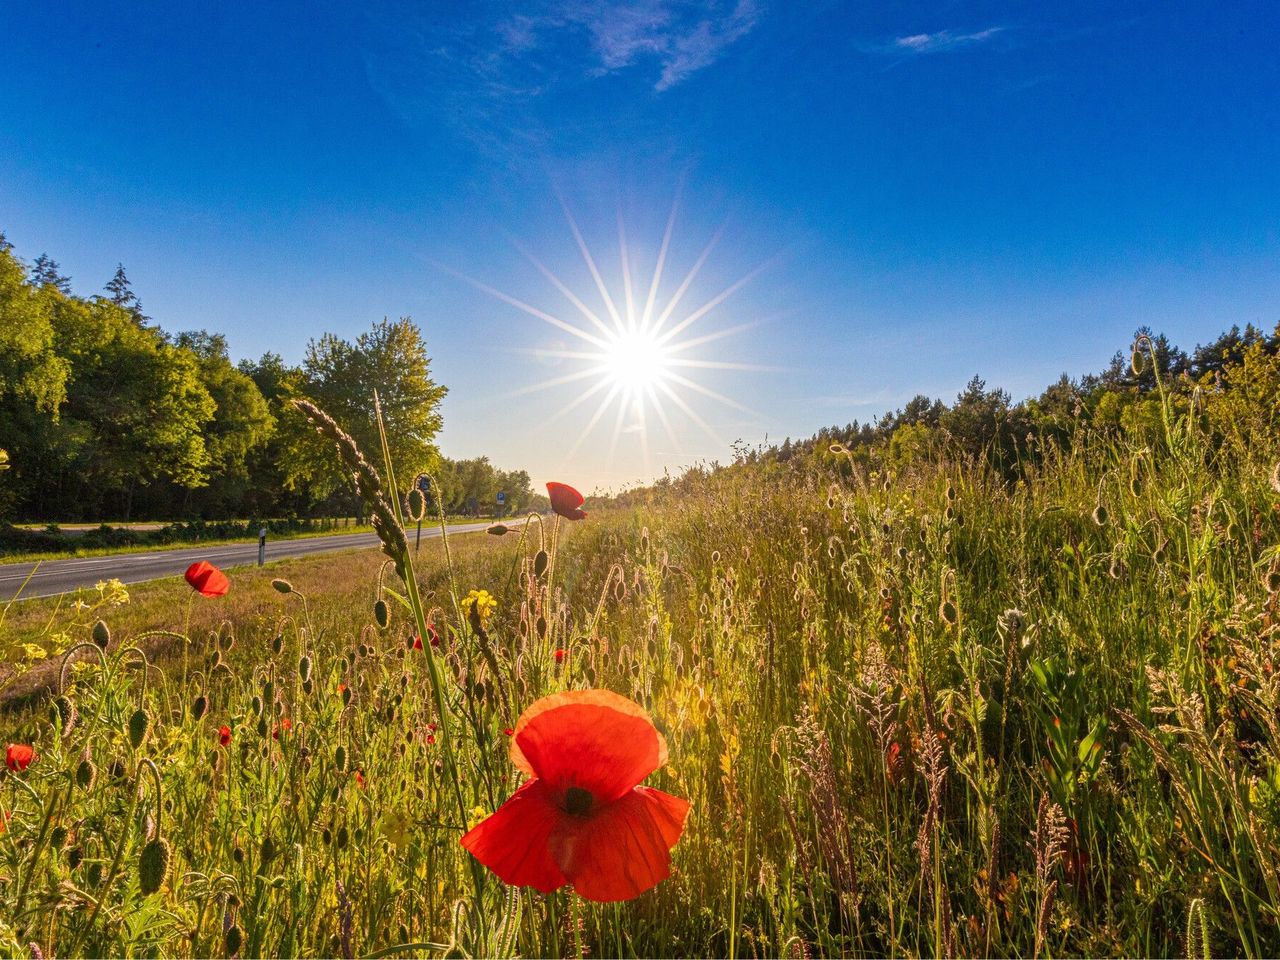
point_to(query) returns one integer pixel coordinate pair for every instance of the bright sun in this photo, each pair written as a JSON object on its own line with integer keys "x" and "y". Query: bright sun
{"x": 636, "y": 361}
{"x": 632, "y": 347}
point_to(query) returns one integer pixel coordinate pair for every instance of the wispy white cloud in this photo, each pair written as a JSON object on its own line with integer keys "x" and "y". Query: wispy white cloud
{"x": 679, "y": 36}
{"x": 941, "y": 40}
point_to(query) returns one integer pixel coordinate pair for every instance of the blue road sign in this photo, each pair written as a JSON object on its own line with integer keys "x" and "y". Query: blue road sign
{"x": 502, "y": 497}
{"x": 424, "y": 483}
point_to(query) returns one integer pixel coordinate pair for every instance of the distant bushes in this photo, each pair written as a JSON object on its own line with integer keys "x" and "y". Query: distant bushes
{"x": 52, "y": 539}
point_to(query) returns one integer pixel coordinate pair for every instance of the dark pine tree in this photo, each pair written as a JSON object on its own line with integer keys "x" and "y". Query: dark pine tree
{"x": 44, "y": 272}
{"x": 122, "y": 295}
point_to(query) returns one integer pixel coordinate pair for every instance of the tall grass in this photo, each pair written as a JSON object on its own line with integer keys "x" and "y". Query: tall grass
{"x": 932, "y": 712}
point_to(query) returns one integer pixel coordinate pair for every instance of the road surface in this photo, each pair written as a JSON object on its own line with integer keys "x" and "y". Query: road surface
{"x": 58, "y": 576}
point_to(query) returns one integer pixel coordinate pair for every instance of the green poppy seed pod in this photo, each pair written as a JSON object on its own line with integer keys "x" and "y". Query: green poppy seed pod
{"x": 497, "y": 529}
{"x": 282, "y": 586}
{"x": 153, "y": 866}
{"x": 139, "y": 723}
{"x": 256, "y": 705}
{"x": 1100, "y": 515}
{"x": 381, "y": 614}
{"x": 277, "y": 644}
{"x": 67, "y": 714}
{"x": 86, "y": 774}
{"x": 540, "y": 563}
{"x": 416, "y": 505}
{"x": 101, "y": 634}
{"x": 304, "y": 668}
{"x": 199, "y": 706}
{"x": 267, "y": 852}
{"x": 234, "y": 940}
{"x": 343, "y": 838}
{"x": 94, "y": 874}
{"x": 340, "y": 758}
{"x": 947, "y": 613}
{"x": 1273, "y": 581}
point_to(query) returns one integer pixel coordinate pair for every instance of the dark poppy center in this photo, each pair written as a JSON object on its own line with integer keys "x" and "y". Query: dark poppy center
{"x": 577, "y": 802}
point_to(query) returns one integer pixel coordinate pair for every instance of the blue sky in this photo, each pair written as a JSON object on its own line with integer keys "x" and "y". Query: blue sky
{"x": 918, "y": 191}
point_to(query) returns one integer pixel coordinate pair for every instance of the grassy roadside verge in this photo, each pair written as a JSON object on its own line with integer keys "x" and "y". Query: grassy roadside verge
{"x": 74, "y": 553}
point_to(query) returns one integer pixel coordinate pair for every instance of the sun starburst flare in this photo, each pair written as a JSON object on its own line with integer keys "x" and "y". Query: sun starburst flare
{"x": 631, "y": 353}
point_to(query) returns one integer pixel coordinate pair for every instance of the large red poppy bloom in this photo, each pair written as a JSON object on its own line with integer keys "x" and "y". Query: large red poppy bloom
{"x": 19, "y": 756}
{"x": 566, "y": 501}
{"x": 208, "y": 579}
{"x": 584, "y": 819}
{"x": 224, "y": 735}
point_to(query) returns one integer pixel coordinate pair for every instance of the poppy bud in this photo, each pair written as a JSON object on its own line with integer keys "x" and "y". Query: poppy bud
{"x": 153, "y": 866}
{"x": 269, "y": 691}
{"x": 327, "y": 836}
{"x": 139, "y": 723}
{"x": 215, "y": 660}
{"x": 67, "y": 714}
{"x": 306, "y": 685}
{"x": 1100, "y": 515}
{"x": 227, "y": 641}
{"x": 343, "y": 837}
{"x": 947, "y": 613}
{"x": 540, "y": 562}
{"x": 86, "y": 774}
{"x": 542, "y": 626}
{"x": 381, "y": 614}
{"x": 234, "y": 940}
{"x": 256, "y": 705}
{"x": 199, "y": 706}
{"x": 951, "y": 492}
{"x": 277, "y": 644}
{"x": 1273, "y": 581}
{"x": 101, "y": 634}
{"x": 267, "y": 852}
{"x": 237, "y": 854}
{"x": 262, "y": 726}
{"x": 304, "y": 668}
{"x": 75, "y": 856}
{"x": 497, "y": 529}
{"x": 116, "y": 769}
{"x": 94, "y": 876}
{"x": 340, "y": 758}
{"x": 282, "y": 586}
{"x": 58, "y": 836}
{"x": 346, "y": 696}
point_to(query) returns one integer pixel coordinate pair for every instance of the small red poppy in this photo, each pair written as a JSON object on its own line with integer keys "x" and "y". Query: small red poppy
{"x": 360, "y": 779}
{"x": 431, "y": 728}
{"x": 566, "y": 501}
{"x": 286, "y": 725}
{"x": 431, "y": 739}
{"x": 342, "y": 688}
{"x": 509, "y": 732}
{"x": 559, "y": 655}
{"x": 583, "y": 818}
{"x": 431, "y": 634}
{"x": 224, "y": 735}
{"x": 19, "y": 756}
{"x": 207, "y": 579}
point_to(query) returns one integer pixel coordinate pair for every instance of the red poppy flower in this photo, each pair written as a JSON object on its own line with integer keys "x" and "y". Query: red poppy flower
{"x": 19, "y": 756}
{"x": 207, "y": 579}
{"x": 566, "y": 501}
{"x": 4, "y": 821}
{"x": 509, "y": 732}
{"x": 224, "y": 735}
{"x": 559, "y": 655}
{"x": 431, "y": 634}
{"x": 286, "y": 725}
{"x": 360, "y": 779}
{"x": 583, "y": 818}
{"x": 431, "y": 739}
{"x": 342, "y": 688}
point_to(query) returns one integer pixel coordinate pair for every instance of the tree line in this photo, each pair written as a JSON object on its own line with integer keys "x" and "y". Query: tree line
{"x": 105, "y": 416}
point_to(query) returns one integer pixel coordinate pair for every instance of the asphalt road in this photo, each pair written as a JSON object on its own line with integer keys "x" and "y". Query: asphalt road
{"x": 58, "y": 576}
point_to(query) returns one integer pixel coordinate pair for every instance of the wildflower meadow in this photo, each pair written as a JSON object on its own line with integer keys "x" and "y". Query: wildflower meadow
{"x": 828, "y": 706}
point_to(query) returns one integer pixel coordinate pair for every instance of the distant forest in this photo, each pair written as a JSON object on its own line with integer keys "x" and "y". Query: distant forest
{"x": 106, "y": 416}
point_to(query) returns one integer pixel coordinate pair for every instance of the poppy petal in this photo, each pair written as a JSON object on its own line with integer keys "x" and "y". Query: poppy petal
{"x": 624, "y": 849}
{"x": 207, "y": 579}
{"x": 514, "y": 841}
{"x": 566, "y": 501}
{"x": 592, "y": 739}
